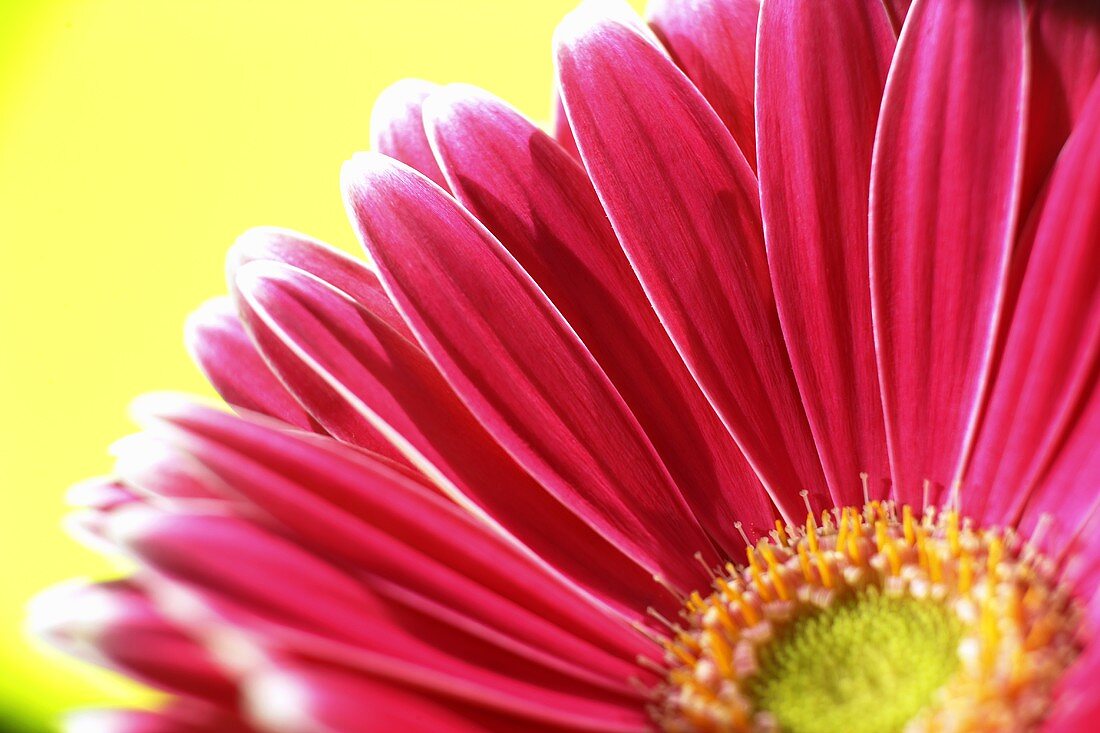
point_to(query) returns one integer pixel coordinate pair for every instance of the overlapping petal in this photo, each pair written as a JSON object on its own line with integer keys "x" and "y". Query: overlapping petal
{"x": 1040, "y": 399}
{"x": 366, "y": 379}
{"x": 397, "y": 126}
{"x": 536, "y": 388}
{"x": 229, "y": 360}
{"x": 283, "y": 597}
{"x": 714, "y": 42}
{"x": 821, "y": 70}
{"x": 685, "y": 207}
{"x": 540, "y": 204}
{"x": 944, "y": 197}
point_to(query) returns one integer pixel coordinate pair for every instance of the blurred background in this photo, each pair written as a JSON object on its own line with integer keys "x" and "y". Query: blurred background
{"x": 137, "y": 139}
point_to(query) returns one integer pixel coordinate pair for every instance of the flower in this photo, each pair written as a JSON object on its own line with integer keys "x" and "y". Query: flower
{"x": 811, "y": 284}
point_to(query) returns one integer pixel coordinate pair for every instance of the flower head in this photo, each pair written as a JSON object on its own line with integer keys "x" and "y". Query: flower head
{"x": 762, "y": 396}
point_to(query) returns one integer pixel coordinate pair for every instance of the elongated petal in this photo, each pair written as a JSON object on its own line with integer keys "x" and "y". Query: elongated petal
{"x": 275, "y": 585}
{"x": 178, "y": 717}
{"x": 363, "y": 378}
{"x": 1052, "y": 349}
{"x": 349, "y": 506}
{"x": 539, "y": 203}
{"x": 115, "y": 625}
{"x": 943, "y": 211}
{"x": 685, "y": 207}
{"x": 1065, "y": 61}
{"x": 714, "y": 42}
{"x": 397, "y": 127}
{"x": 335, "y": 267}
{"x": 224, "y": 353}
{"x": 535, "y": 388}
{"x": 302, "y": 698}
{"x": 317, "y": 699}
{"x": 822, "y": 68}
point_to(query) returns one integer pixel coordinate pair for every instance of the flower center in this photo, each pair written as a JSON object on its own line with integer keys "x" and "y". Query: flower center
{"x": 868, "y": 664}
{"x": 871, "y": 623}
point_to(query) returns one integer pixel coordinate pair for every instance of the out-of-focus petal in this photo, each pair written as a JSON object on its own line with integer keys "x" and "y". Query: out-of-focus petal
{"x": 301, "y": 698}
{"x": 714, "y": 42}
{"x": 221, "y": 348}
{"x": 519, "y": 367}
{"x": 177, "y": 717}
{"x": 539, "y": 203}
{"x": 348, "y": 506}
{"x": 362, "y": 378}
{"x": 944, "y": 196}
{"x": 397, "y": 127}
{"x": 115, "y": 625}
{"x": 821, "y": 70}
{"x": 1041, "y": 395}
{"x": 273, "y": 586}
{"x": 685, "y": 207}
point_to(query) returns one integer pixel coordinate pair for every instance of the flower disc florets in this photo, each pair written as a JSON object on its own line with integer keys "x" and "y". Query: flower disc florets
{"x": 871, "y": 622}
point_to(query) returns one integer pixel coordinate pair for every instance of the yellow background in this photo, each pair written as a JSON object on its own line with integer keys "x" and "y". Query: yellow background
{"x": 137, "y": 139}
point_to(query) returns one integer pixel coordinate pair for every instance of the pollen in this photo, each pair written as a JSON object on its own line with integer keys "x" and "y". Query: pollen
{"x": 871, "y": 622}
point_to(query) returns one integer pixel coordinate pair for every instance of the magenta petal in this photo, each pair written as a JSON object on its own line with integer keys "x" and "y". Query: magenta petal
{"x": 363, "y": 378}
{"x": 335, "y": 267}
{"x": 821, "y": 71}
{"x": 222, "y": 349}
{"x": 714, "y": 42}
{"x": 178, "y": 717}
{"x": 1051, "y": 353}
{"x": 897, "y": 11}
{"x": 685, "y": 207}
{"x": 519, "y": 367}
{"x": 301, "y": 698}
{"x": 347, "y": 506}
{"x": 540, "y": 204}
{"x": 273, "y": 587}
{"x": 1065, "y": 61}
{"x": 306, "y": 699}
{"x": 943, "y": 213}
{"x": 115, "y": 625}
{"x": 397, "y": 127}
{"x": 562, "y": 133}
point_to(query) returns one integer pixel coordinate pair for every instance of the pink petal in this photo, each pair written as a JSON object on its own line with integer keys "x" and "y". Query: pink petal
{"x": 684, "y": 204}
{"x": 943, "y": 211}
{"x": 714, "y": 42}
{"x": 821, "y": 71}
{"x": 397, "y": 128}
{"x": 362, "y": 378}
{"x": 273, "y": 585}
{"x": 1065, "y": 61}
{"x": 303, "y": 698}
{"x": 562, "y": 133}
{"x": 519, "y": 367}
{"x": 115, "y": 625}
{"x": 897, "y": 10}
{"x": 335, "y": 267}
{"x": 1077, "y": 705}
{"x": 348, "y": 506}
{"x": 539, "y": 203}
{"x": 224, "y": 353}
{"x": 324, "y": 700}
{"x": 178, "y": 717}
{"x": 1051, "y": 351}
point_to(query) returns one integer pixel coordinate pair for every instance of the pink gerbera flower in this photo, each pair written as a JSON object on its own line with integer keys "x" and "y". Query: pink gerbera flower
{"x": 763, "y": 398}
